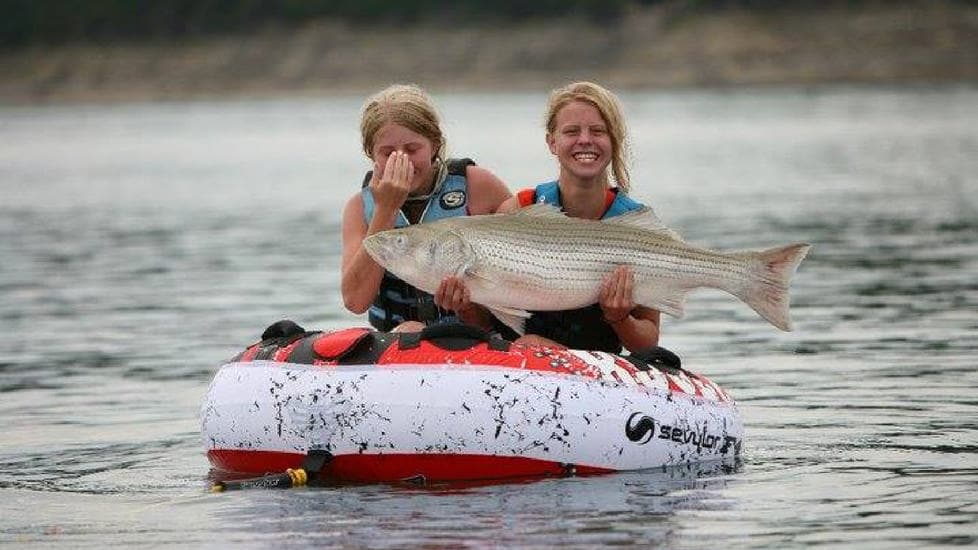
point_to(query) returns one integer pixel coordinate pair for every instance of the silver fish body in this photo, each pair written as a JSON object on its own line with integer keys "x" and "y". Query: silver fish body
{"x": 538, "y": 259}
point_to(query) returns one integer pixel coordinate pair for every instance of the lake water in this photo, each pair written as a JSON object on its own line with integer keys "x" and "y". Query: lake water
{"x": 143, "y": 244}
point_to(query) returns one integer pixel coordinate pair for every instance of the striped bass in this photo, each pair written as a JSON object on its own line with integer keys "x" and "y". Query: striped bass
{"x": 538, "y": 259}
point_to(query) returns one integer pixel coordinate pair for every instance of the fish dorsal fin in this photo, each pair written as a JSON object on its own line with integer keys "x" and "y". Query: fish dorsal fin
{"x": 541, "y": 210}
{"x": 644, "y": 218}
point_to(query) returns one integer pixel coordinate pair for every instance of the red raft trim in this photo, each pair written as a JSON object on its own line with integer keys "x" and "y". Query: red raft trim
{"x": 380, "y": 468}
{"x": 333, "y": 345}
{"x": 330, "y": 347}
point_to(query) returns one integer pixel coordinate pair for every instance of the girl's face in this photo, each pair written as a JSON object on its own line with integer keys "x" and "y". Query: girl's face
{"x": 581, "y": 142}
{"x": 419, "y": 149}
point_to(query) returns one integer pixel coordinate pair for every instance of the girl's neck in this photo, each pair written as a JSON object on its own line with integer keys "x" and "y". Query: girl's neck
{"x": 581, "y": 199}
{"x": 423, "y": 191}
{"x": 431, "y": 184}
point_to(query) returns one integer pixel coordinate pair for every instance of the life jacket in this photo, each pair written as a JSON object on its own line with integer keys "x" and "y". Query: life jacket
{"x": 615, "y": 203}
{"x": 397, "y": 301}
{"x": 582, "y": 328}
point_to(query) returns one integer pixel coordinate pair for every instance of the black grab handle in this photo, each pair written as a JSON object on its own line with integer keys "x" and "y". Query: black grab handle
{"x": 655, "y": 356}
{"x": 453, "y": 337}
{"x": 455, "y": 330}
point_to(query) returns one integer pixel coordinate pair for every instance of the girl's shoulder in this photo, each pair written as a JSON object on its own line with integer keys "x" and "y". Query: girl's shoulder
{"x": 353, "y": 209}
{"x": 486, "y": 190}
{"x": 477, "y": 175}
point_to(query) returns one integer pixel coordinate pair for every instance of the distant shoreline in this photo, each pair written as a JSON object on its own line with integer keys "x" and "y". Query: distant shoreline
{"x": 655, "y": 48}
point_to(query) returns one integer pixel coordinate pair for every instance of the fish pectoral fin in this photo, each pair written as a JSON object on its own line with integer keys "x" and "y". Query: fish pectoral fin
{"x": 644, "y": 218}
{"x": 512, "y": 317}
{"x": 469, "y": 266}
{"x": 472, "y": 271}
{"x": 668, "y": 300}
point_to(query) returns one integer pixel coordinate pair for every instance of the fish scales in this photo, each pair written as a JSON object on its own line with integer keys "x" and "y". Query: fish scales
{"x": 542, "y": 252}
{"x": 540, "y": 259}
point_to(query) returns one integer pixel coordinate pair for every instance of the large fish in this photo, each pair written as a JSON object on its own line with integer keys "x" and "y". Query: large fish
{"x": 538, "y": 259}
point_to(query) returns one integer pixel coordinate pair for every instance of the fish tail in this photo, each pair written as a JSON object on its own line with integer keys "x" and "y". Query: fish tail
{"x": 769, "y": 279}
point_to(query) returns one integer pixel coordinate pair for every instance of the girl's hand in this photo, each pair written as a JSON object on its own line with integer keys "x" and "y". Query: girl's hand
{"x": 453, "y": 295}
{"x": 615, "y": 298}
{"x": 392, "y": 185}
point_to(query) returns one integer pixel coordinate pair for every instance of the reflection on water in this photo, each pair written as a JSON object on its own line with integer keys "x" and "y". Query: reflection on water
{"x": 632, "y": 508}
{"x": 142, "y": 245}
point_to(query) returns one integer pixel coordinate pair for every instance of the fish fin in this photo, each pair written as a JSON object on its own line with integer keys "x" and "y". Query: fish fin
{"x": 540, "y": 210}
{"x": 668, "y": 300}
{"x": 644, "y": 218}
{"x": 475, "y": 273}
{"x": 470, "y": 269}
{"x": 512, "y": 317}
{"x": 478, "y": 275}
{"x": 770, "y": 276}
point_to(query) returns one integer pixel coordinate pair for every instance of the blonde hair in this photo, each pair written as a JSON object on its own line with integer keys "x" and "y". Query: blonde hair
{"x": 406, "y": 105}
{"x": 610, "y": 109}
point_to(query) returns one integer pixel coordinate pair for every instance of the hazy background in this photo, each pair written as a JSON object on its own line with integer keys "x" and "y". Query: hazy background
{"x": 102, "y": 50}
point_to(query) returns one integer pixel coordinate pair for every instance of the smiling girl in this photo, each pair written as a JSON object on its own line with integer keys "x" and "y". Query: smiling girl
{"x": 586, "y": 133}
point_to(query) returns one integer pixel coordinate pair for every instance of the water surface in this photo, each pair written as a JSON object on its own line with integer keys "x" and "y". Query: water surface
{"x": 143, "y": 244}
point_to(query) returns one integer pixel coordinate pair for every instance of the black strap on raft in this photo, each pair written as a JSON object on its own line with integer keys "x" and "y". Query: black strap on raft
{"x": 278, "y": 335}
{"x": 314, "y": 462}
{"x": 657, "y": 357}
{"x": 282, "y": 329}
{"x": 452, "y": 337}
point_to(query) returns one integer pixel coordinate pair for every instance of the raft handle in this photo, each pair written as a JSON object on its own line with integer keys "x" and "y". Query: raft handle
{"x": 452, "y": 337}
{"x": 655, "y": 356}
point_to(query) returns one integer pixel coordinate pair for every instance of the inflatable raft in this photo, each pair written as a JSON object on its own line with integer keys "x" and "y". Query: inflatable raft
{"x": 454, "y": 403}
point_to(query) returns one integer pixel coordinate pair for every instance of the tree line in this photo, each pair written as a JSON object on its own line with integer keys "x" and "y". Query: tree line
{"x": 28, "y": 22}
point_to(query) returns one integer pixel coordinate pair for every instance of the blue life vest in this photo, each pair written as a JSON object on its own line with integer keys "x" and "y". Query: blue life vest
{"x": 397, "y": 301}
{"x": 583, "y": 328}
{"x": 549, "y": 193}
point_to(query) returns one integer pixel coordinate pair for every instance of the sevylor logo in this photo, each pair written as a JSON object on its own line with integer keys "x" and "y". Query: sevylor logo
{"x": 641, "y": 428}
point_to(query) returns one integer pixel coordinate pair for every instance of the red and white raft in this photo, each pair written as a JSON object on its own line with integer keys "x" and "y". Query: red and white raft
{"x": 456, "y": 404}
